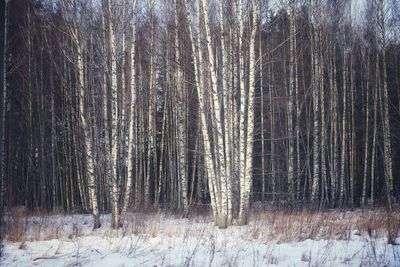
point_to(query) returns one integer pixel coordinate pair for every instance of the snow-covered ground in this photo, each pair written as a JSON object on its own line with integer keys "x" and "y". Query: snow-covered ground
{"x": 167, "y": 240}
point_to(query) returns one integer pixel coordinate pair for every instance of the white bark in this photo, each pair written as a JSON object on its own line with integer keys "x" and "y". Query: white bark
{"x": 227, "y": 100}
{"x": 386, "y": 122}
{"x": 290, "y": 101}
{"x": 87, "y": 145}
{"x": 374, "y": 134}
{"x": 344, "y": 130}
{"x": 114, "y": 119}
{"x": 181, "y": 129}
{"x": 131, "y": 114}
{"x": 366, "y": 143}
{"x": 315, "y": 97}
{"x": 247, "y": 151}
{"x": 217, "y": 127}
{"x": 198, "y": 66}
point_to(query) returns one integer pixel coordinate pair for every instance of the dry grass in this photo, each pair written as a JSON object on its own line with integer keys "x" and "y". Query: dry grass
{"x": 199, "y": 240}
{"x": 265, "y": 225}
{"x": 285, "y": 226}
{"x": 15, "y": 227}
{"x": 22, "y": 226}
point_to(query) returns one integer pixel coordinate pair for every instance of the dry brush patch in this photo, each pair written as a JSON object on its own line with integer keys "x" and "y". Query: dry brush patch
{"x": 266, "y": 225}
{"x": 286, "y": 226}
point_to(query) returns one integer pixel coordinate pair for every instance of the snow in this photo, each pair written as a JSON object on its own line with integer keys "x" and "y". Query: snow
{"x": 167, "y": 240}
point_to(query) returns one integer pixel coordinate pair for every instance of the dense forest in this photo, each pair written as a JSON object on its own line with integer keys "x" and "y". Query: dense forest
{"x": 114, "y": 106}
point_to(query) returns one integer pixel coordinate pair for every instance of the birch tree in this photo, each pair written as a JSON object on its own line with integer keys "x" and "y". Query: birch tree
{"x": 131, "y": 112}
{"x": 180, "y": 109}
{"x": 114, "y": 114}
{"x": 128, "y": 105}
{"x": 83, "y": 94}
{"x": 246, "y": 152}
{"x": 386, "y": 121}
{"x": 315, "y": 16}
{"x": 292, "y": 85}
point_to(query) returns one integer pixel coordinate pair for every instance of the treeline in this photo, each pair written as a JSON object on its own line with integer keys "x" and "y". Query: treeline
{"x": 119, "y": 105}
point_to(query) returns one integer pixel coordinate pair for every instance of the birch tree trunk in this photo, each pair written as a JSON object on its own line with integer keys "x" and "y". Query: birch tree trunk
{"x": 227, "y": 106}
{"x": 85, "y": 124}
{"x": 198, "y": 66}
{"x": 374, "y": 134}
{"x": 247, "y": 150}
{"x": 263, "y": 178}
{"x": 217, "y": 128}
{"x": 316, "y": 90}
{"x": 272, "y": 129}
{"x": 152, "y": 98}
{"x": 114, "y": 118}
{"x": 344, "y": 130}
{"x": 131, "y": 114}
{"x": 386, "y": 120}
{"x": 290, "y": 101}
{"x": 323, "y": 125}
{"x": 181, "y": 129}
{"x": 366, "y": 144}
{"x": 353, "y": 131}
{"x": 334, "y": 128}
{"x": 298, "y": 114}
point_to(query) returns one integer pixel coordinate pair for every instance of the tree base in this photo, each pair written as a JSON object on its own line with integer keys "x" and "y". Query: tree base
{"x": 96, "y": 222}
{"x": 222, "y": 222}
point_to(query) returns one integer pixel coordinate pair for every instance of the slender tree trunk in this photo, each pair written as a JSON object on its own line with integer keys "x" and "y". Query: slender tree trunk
{"x": 334, "y": 128}
{"x": 323, "y": 126}
{"x": 53, "y": 142}
{"x": 114, "y": 118}
{"x": 247, "y": 150}
{"x": 353, "y": 131}
{"x": 374, "y": 134}
{"x": 3, "y": 88}
{"x": 366, "y": 144}
{"x": 298, "y": 112}
{"x": 315, "y": 97}
{"x": 85, "y": 124}
{"x": 344, "y": 131}
{"x": 272, "y": 129}
{"x": 290, "y": 102}
{"x": 263, "y": 178}
{"x": 131, "y": 115}
{"x": 198, "y": 66}
{"x": 227, "y": 113}
{"x": 181, "y": 129}
{"x": 387, "y": 146}
{"x": 220, "y": 159}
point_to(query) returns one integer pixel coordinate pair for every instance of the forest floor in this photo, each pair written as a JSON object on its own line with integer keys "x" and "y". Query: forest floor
{"x": 272, "y": 238}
